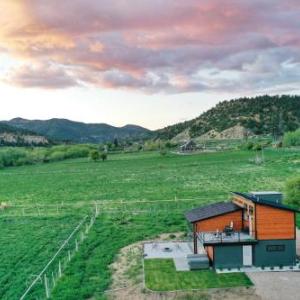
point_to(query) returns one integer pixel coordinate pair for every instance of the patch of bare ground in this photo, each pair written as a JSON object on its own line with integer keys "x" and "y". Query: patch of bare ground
{"x": 127, "y": 279}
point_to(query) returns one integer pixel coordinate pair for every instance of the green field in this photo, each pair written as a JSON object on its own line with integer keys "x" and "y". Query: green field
{"x": 161, "y": 275}
{"x": 46, "y": 201}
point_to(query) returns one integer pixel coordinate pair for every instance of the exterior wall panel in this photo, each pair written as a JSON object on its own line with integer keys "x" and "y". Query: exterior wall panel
{"x": 219, "y": 222}
{"x": 228, "y": 256}
{"x": 275, "y": 253}
{"x": 273, "y": 223}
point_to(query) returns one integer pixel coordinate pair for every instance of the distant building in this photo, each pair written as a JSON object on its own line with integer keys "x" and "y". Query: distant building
{"x": 188, "y": 146}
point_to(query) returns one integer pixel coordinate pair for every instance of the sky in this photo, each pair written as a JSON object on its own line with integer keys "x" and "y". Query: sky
{"x": 151, "y": 63}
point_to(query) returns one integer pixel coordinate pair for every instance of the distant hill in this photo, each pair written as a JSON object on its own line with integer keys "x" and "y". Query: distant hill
{"x": 66, "y": 130}
{"x": 11, "y": 136}
{"x": 263, "y": 115}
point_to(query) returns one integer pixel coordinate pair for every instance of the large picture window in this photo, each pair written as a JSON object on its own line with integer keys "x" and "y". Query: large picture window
{"x": 275, "y": 248}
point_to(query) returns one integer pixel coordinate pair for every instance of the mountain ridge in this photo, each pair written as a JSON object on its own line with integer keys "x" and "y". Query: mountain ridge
{"x": 261, "y": 115}
{"x": 79, "y": 132}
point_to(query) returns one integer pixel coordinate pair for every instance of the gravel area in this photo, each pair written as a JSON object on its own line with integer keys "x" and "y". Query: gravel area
{"x": 278, "y": 285}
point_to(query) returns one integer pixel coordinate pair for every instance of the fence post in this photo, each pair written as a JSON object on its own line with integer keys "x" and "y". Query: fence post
{"x": 53, "y": 279}
{"x": 96, "y": 204}
{"x": 59, "y": 269}
{"x": 46, "y": 287}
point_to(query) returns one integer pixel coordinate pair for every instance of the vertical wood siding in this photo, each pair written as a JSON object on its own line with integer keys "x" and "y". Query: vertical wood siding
{"x": 219, "y": 222}
{"x": 274, "y": 223}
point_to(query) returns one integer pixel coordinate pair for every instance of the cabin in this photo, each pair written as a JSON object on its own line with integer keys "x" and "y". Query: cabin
{"x": 252, "y": 230}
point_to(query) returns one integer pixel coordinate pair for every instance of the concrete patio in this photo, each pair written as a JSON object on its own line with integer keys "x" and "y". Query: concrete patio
{"x": 177, "y": 251}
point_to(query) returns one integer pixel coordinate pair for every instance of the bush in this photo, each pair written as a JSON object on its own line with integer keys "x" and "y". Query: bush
{"x": 10, "y": 156}
{"x": 257, "y": 147}
{"x": 94, "y": 155}
{"x": 103, "y": 156}
{"x": 291, "y": 138}
{"x": 293, "y": 191}
{"x": 247, "y": 146}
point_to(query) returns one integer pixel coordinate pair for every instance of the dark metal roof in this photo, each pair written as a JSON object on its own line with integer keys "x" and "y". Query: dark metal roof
{"x": 265, "y": 202}
{"x": 212, "y": 210}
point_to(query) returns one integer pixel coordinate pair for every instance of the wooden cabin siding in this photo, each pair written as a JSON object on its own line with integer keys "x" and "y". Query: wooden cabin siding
{"x": 219, "y": 222}
{"x": 274, "y": 223}
{"x": 210, "y": 252}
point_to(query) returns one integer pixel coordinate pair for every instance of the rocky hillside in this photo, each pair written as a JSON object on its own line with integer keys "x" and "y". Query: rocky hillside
{"x": 66, "y": 130}
{"x": 10, "y": 136}
{"x": 263, "y": 115}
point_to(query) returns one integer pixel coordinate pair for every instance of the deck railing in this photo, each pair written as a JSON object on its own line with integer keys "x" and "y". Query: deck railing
{"x": 222, "y": 237}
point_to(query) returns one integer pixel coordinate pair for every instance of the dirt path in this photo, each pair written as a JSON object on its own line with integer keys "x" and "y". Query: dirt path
{"x": 128, "y": 280}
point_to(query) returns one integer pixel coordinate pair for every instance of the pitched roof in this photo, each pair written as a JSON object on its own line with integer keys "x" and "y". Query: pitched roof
{"x": 212, "y": 210}
{"x": 258, "y": 200}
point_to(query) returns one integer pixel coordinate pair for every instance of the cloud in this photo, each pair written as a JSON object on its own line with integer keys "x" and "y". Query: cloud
{"x": 169, "y": 46}
{"x": 41, "y": 76}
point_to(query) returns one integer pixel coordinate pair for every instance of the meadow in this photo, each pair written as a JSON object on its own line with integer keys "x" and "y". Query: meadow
{"x": 46, "y": 201}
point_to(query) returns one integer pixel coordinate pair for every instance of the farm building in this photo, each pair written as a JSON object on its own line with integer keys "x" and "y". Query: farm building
{"x": 254, "y": 229}
{"x": 188, "y": 146}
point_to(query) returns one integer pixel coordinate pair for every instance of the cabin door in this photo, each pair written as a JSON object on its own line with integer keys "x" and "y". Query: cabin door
{"x": 247, "y": 255}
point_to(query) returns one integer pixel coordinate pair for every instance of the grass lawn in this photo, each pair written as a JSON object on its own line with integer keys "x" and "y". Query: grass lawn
{"x": 27, "y": 243}
{"x": 161, "y": 275}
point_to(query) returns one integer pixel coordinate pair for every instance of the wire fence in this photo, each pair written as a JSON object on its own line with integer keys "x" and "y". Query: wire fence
{"x": 46, "y": 280}
{"x": 43, "y": 284}
{"x": 106, "y": 206}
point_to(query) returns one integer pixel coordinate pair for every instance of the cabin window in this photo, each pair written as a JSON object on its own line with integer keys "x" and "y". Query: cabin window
{"x": 275, "y": 248}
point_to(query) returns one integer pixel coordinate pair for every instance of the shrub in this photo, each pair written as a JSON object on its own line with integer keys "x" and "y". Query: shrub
{"x": 257, "y": 147}
{"x": 103, "y": 156}
{"x": 291, "y": 138}
{"x": 293, "y": 191}
{"x": 10, "y": 156}
{"x": 94, "y": 155}
{"x": 247, "y": 146}
{"x": 56, "y": 156}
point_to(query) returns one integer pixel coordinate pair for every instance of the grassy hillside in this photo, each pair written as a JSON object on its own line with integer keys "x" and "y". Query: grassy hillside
{"x": 44, "y": 189}
{"x": 271, "y": 115}
{"x": 66, "y": 130}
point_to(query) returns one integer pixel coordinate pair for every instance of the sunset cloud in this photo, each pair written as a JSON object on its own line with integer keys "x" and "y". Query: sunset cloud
{"x": 41, "y": 76}
{"x": 169, "y": 46}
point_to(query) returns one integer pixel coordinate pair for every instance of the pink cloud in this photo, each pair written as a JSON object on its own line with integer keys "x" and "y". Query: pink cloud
{"x": 141, "y": 44}
{"x": 42, "y": 76}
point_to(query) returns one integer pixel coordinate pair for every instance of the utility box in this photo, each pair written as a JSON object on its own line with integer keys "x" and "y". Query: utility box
{"x": 198, "y": 261}
{"x": 268, "y": 196}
